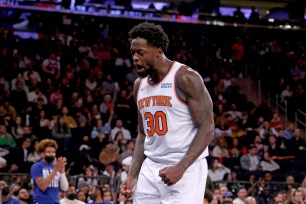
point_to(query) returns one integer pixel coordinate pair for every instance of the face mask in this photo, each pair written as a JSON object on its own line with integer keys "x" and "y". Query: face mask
{"x": 25, "y": 200}
{"x": 49, "y": 159}
{"x": 71, "y": 196}
{"x": 92, "y": 197}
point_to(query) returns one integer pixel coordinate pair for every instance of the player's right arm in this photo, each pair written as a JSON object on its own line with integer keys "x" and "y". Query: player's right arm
{"x": 138, "y": 157}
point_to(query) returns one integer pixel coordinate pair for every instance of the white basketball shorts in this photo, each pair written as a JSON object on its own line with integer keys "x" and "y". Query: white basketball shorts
{"x": 150, "y": 189}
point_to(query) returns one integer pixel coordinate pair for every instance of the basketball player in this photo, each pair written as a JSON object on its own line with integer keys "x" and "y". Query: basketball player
{"x": 175, "y": 125}
{"x": 48, "y": 174}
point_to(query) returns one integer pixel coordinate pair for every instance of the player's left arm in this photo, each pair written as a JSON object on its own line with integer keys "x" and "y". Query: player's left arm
{"x": 192, "y": 89}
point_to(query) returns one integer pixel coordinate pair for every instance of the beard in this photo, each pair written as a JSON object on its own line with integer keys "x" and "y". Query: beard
{"x": 145, "y": 72}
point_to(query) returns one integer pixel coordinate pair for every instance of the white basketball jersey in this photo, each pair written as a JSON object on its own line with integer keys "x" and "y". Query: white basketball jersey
{"x": 166, "y": 119}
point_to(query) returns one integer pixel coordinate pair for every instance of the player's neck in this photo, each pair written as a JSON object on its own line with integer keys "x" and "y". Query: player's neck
{"x": 161, "y": 70}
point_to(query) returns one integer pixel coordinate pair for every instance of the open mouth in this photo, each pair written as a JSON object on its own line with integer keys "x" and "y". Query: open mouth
{"x": 138, "y": 67}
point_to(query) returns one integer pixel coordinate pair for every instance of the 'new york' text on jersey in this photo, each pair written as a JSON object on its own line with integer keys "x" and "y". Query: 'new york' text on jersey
{"x": 166, "y": 119}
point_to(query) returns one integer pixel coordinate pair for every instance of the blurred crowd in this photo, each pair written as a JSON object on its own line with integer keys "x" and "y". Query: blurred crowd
{"x": 75, "y": 86}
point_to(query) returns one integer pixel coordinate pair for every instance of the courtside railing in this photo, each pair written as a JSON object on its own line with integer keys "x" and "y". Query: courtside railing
{"x": 300, "y": 120}
{"x": 280, "y": 105}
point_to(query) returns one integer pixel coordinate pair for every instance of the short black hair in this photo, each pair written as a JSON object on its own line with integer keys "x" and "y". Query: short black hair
{"x": 154, "y": 34}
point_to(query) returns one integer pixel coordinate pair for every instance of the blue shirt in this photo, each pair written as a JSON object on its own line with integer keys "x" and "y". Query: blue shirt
{"x": 11, "y": 201}
{"x": 51, "y": 194}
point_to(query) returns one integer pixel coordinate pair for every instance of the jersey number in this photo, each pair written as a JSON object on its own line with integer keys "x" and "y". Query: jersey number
{"x": 156, "y": 123}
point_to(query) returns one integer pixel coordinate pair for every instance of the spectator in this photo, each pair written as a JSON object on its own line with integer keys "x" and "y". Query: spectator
{"x": 123, "y": 106}
{"x": 7, "y": 198}
{"x": 69, "y": 120}
{"x": 261, "y": 148}
{"x": 130, "y": 145}
{"x": 279, "y": 198}
{"x": 99, "y": 127}
{"x": 222, "y": 129}
{"x": 276, "y": 122}
{"x": 237, "y": 150}
{"x": 109, "y": 154}
{"x": 70, "y": 197}
{"x": 89, "y": 178}
{"x": 297, "y": 197}
{"x": 81, "y": 196}
{"x": 217, "y": 171}
{"x": 106, "y": 107}
{"x": 119, "y": 127}
{"x": 221, "y": 149}
{"x": 48, "y": 177}
{"x": 62, "y": 134}
{"x": 250, "y": 161}
{"x": 126, "y": 163}
{"x": 236, "y": 115}
{"x": 120, "y": 142}
{"x": 6, "y": 139}
{"x": 110, "y": 86}
{"x": 254, "y": 17}
{"x": 273, "y": 147}
{"x": 250, "y": 200}
{"x": 21, "y": 155}
{"x": 290, "y": 183}
{"x": 4, "y": 88}
{"x": 241, "y": 196}
{"x": 289, "y": 131}
{"x": 2, "y": 162}
{"x": 132, "y": 75}
{"x": 287, "y": 93}
{"x": 17, "y": 95}
{"x": 268, "y": 164}
{"x": 51, "y": 67}
{"x": 107, "y": 197}
{"x": 95, "y": 195}
{"x": 239, "y": 14}
{"x": 31, "y": 77}
{"x": 55, "y": 96}
{"x": 23, "y": 196}
{"x": 33, "y": 96}
{"x": 297, "y": 143}
{"x": 18, "y": 129}
{"x": 228, "y": 197}
{"x": 8, "y": 110}
{"x": 34, "y": 155}
{"x": 44, "y": 126}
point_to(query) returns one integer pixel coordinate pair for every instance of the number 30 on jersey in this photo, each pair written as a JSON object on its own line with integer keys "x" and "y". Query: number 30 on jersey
{"x": 156, "y": 123}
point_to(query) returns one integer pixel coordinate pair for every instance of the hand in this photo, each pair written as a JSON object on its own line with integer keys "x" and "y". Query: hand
{"x": 171, "y": 175}
{"x": 121, "y": 198}
{"x": 59, "y": 164}
{"x": 127, "y": 187}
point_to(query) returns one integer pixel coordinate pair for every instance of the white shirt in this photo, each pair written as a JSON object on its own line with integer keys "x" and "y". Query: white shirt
{"x": 33, "y": 96}
{"x": 238, "y": 201}
{"x": 218, "y": 174}
{"x": 33, "y": 76}
{"x": 126, "y": 133}
{"x": 269, "y": 166}
{"x": 67, "y": 201}
{"x": 253, "y": 162}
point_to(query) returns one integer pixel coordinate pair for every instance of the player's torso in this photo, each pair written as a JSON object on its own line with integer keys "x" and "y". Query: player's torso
{"x": 166, "y": 119}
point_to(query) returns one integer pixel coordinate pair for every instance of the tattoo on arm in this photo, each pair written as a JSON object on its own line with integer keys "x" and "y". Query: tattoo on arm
{"x": 192, "y": 87}
{"x": 139, "y": 155}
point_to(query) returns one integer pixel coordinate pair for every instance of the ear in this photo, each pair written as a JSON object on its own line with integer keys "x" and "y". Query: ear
{"x": 159, "y": 52}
